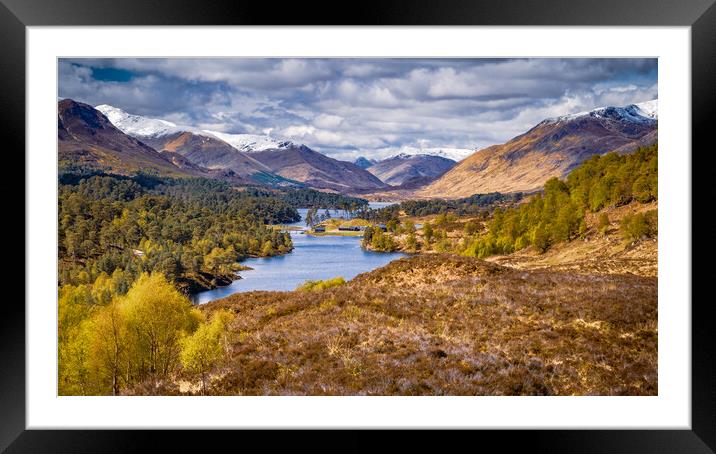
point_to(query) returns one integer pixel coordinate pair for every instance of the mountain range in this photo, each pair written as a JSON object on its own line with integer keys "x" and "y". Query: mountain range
{"x": 108, "y": 138}
{"x": 260, "y": 159}
{"x": 552, "y": 148}
{"x": 266, "y": 160}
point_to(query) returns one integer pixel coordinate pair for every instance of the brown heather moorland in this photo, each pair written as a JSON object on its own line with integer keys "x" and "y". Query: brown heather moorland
{"x": 441, "y": 324}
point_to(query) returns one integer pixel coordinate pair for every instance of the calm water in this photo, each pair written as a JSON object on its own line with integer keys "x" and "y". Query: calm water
{"x": 312, "y": 258}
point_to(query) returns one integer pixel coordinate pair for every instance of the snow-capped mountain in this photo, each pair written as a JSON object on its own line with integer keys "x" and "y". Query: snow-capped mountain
{"x": 648, "y": 109}
{"x": 86, "y": 137}
{"x": 138, "y": 126}
{"x": 257, "y": 157}
{"x": 552, "y": 148}
{"x": 640, "y": 112}
{"x": 199, "y": 147}
{"x": 251, "y": 142}
{"x": 455, "y": 154}
{"x": 144, "y": 127}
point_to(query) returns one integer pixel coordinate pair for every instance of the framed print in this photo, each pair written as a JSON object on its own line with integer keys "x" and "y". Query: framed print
{"x": 445, "y": 217}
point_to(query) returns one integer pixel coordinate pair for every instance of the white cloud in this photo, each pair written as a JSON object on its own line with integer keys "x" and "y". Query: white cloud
{"x": 298, "y": 131}
{"x": 328, "y": 121}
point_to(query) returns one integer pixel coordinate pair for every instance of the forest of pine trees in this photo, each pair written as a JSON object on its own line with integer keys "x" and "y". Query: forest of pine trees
{"x": 475, "y": 204}
{"x": 557, "y": 215}
{"x": 110, "y": 225}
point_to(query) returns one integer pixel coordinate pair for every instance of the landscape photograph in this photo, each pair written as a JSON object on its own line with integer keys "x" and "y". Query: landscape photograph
{"x": 357, "y": 226}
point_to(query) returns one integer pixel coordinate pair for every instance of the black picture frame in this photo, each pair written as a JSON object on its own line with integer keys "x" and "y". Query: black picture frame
{"x": 700, "y": 15}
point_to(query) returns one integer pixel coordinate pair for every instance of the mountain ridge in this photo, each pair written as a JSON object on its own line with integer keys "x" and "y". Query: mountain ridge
{"x": 317, "y": 170}
{"x": 259, "y": 157}
{"x": 405, "y": 169}
{"x": 551, "y": 148}
{"x": 87, "y": 137}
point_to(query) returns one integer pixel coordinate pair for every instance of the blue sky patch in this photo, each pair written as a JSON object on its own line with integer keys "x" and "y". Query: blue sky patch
{"x": 112, "y": 74}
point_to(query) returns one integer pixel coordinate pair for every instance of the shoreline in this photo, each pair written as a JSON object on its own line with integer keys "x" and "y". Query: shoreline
{"x": 270, "y": 276}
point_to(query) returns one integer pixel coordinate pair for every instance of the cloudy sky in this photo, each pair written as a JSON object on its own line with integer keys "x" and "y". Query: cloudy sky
{"x": 361, "y": 107}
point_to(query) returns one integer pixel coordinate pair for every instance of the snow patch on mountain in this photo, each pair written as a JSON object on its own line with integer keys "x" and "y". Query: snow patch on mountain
{"x": 649, "y": 109}
{"x": 138, "y": 126}
{"x": 144, "y": 127}
{"x": 455, "y": 154}
{"x": 638, "y": 113}
{"x": 251, "y": 142}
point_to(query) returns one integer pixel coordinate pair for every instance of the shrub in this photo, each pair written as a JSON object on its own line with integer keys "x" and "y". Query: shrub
{"x": 409, "y": 227}
{"x": 428, "y": 232}
{"x": 203, "y": 349}
{"x": 383, "y": 242}
{"x": 471, "y": 227}
{"x": 392, "y": 225}
{"x": 603, "y": 223}
{"x": 443, "y": 245}
{"x": 321, "y": 285}
{"x": 411, "y": 243}
{"x": 640, "y": 225}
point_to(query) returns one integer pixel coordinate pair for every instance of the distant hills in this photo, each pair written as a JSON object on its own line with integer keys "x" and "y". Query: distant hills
{"x": 172, "y": 149}
{"x": 300, "y": 163}
{"x": 405, "y": 169}
{"x": 113, "y": 140}
{"x": 213, "y": 153}
{"x": 552, "y": 148}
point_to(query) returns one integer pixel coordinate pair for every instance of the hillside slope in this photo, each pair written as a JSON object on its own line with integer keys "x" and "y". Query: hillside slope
{"x": 550, "y": 149}
{"x": 214, "y": 154}
{"x": 300, "y": 163}
{"x": 87, "y": 138}
{"x": 444, "y": 325}
{"x": 596, "y": 253}
{"x": 404, "y": 169}
{"x": 200, "y": 148}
